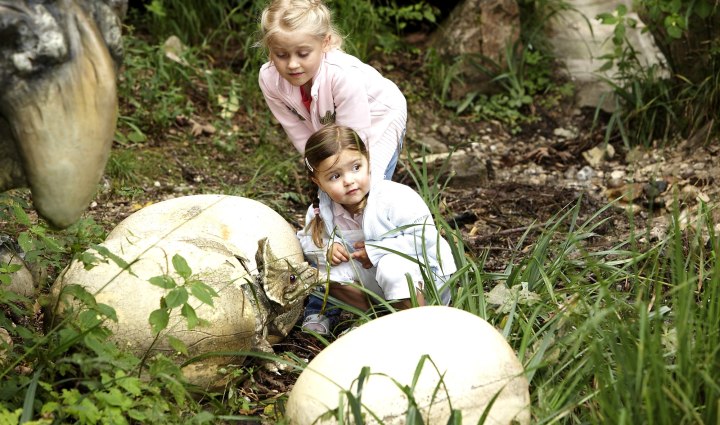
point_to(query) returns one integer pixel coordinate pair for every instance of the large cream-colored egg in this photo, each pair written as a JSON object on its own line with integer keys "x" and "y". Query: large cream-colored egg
{"x": 470, "y": 355}
{"x": 231, "y": 320}
{"x": 236, "y": 221}
{"x": 218, "y": 236}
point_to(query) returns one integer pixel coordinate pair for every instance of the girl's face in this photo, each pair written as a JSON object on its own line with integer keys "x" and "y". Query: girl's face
{"x": 345, "y": 177}
{"x": 297, "y": 55}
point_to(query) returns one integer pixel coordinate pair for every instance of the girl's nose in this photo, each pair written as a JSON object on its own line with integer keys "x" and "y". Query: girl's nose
{"x": 293, "y": 63}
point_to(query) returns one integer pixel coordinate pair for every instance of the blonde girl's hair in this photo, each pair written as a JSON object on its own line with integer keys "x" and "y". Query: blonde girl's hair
{"x": 324, "y": 143}
{"x": 309, "y": 16}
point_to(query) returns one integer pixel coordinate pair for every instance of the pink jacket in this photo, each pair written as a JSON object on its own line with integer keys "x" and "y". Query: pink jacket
{"x": 345, "y": 91}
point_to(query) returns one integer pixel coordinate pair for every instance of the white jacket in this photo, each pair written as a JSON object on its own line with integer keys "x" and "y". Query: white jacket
{"x": 395, "y": 218}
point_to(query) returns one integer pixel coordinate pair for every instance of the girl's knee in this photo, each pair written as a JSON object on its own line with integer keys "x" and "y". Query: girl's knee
{"x": 392, "y": 275}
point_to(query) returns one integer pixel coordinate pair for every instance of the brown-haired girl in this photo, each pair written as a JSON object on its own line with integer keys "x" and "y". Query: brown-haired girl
{"x": 375, "y": 238}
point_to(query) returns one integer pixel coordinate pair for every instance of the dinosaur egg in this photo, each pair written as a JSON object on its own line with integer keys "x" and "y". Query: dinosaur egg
{"x": 420, "y": 345}
{"x": 230, "y": 323}
{"x": 237, "y": 221}
{"x": 245, "y": 251}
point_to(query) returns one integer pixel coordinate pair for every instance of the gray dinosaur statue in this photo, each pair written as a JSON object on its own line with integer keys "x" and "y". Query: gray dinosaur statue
{"x": 58, "y": 102}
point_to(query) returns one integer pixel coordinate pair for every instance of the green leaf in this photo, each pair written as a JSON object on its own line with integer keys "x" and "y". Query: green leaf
{"x": 96, "y": 344}
{"x": 107, "y": 254}
{"x": 115, "y": 398}
{"x": 107, "y": 311}
{"x": 703, "y": 9}
{"x": 89, "y": 260}
{"x": 136, "y": 137}
{"x": 455, "y": 417}
{"x": 189, "y": 313}
{"x": 203, "y": 292}
{"x": 178, "y": 345}
{"x": 181, "y": 266}
{"x": 25, "y": 241}
{"x": 11, "y": 268}
{"x": 675, "y": 6}
{"x": 79, "y": 293}
{"x": 164, "y": 281}
{"x": 176, "y": 297}
{"x": 85, "y": 411}
{"x": 88, "y": 319}
{"x": 674, "y": 32}
{"x": 607, "y": 18}
{"x": 20, "y": 215}
{"x": 159, "y": 320}
{"x": 130, "y": 384}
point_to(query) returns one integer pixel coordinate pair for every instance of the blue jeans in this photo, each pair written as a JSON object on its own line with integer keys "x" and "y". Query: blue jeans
{"x": 315, "y": 300}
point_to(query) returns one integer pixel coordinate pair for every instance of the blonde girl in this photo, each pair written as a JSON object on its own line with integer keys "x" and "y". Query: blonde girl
{"x": 310, "y": 82}
{"x": 381, "y": 237}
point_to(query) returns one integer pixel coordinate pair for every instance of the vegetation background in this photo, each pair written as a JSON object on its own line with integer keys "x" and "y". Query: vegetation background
{"x": 620, "y": 332}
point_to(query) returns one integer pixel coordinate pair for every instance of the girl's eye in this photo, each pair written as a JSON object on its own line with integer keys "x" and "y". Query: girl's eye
{"x": 303, "y": 54}
{"x": 356, "y": 167}
{"x": 280, "y": 55}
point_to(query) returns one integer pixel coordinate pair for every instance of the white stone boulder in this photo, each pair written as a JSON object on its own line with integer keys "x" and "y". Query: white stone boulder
{"x": 470, "y": 355}
{"x": 22, "y": 281}
{"x": 579, "y": 41}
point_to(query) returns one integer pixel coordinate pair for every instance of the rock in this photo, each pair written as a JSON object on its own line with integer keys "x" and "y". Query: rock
{"x": 465, "y": 168}
{"x": 6, "y": 344}
{"x": 585, "y": 173}
{"x": 444, "y": 130}
{"x": 432, "y": 145}
{"x": 565, "y": 133}
{"x": 614, "y": 181}
{"x": 22, "y": 280}
{"x": 598, "y": 154}
{"x": 628, "y": 192}
{"x": 241, "y": 248}
{"x": 473, "y": 358}
{"x": 579, "y": 41}
{"x": 483, "y": 29}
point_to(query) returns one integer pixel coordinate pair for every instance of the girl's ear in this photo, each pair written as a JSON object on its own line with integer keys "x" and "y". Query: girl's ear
{"x": 326, "y": 43}
{"x": 314, "y": 180}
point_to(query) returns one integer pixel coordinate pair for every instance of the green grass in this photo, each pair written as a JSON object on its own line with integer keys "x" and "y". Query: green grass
{"x": 627, "y": 334}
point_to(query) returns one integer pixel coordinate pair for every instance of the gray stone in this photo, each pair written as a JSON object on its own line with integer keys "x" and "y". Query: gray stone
{"x": 431, "y": 144}
{"x": 482, "y": 28}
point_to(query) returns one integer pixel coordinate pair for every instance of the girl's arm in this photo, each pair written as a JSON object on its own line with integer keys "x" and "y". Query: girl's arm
{"x": 296, "y": 129}
{"x": 352, "y": 103}
{"x": 414, "y": 231}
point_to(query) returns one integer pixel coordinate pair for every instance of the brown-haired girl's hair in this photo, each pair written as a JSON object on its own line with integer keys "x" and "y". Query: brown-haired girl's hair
{"x": 310, "y": 16}
{"x": 324, "y": 143}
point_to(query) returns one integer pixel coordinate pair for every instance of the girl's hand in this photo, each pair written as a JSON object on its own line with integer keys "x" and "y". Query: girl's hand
{"x": 361, "y": 255}
{"x": 337, "y": 254}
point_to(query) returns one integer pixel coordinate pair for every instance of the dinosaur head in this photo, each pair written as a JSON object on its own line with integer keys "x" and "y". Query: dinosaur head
{"x": 58, "y": 101}
{"x": 284, "y": 282}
